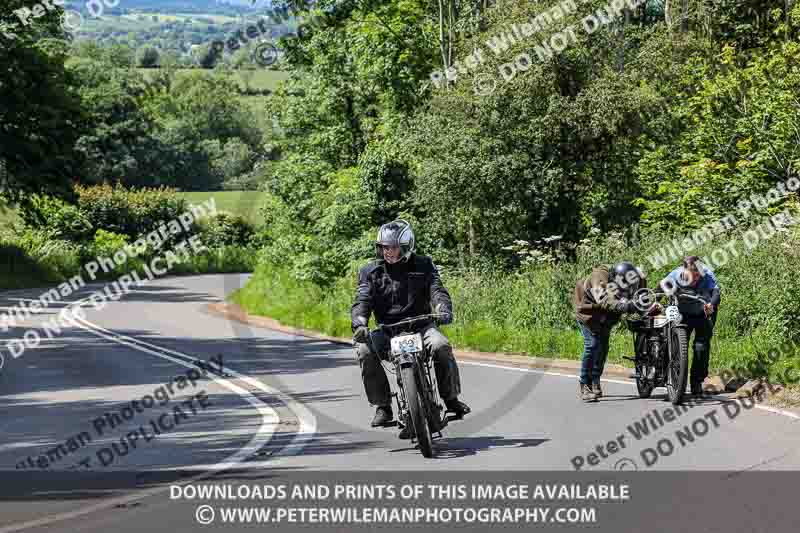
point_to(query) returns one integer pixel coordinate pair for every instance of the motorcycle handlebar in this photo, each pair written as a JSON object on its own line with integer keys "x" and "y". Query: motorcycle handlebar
{"x": 683, "y": 295}
{"x": 411, "y": 320}
{"x": 693, "y": 297}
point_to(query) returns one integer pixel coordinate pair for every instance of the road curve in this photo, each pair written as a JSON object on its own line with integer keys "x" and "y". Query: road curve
{"x": 283, "y": 403}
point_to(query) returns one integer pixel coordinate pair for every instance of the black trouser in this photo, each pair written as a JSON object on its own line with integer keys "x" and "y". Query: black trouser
{"x": 377, "y": 386}
{"x": 703, "y": 329}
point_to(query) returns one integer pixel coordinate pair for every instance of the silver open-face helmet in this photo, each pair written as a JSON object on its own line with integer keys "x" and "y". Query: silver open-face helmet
{"x": 396, "y": 233}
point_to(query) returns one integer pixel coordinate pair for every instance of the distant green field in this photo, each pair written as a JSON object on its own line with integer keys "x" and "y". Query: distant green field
{"x": 217, "y": 19}
{"x": 242, "y": 203}
{"x": 259, "y": 78}
{"x": 146, "y": 22}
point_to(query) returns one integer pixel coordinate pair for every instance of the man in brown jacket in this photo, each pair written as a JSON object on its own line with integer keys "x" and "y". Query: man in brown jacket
{"x": 600, "y": 301}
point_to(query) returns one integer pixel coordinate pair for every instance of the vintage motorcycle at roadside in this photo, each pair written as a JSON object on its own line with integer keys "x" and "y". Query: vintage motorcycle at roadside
{"x": 662, "y": 358}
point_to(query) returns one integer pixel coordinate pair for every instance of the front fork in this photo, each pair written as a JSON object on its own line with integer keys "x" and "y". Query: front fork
{"x": 427, "y": 385}
{"x": 400, "y": 398}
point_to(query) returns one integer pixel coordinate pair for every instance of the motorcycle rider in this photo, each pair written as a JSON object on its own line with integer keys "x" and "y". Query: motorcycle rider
{"x": 600, "y": 301}
{"x": 396, "y": 286}
{"x": 693, "y": 277}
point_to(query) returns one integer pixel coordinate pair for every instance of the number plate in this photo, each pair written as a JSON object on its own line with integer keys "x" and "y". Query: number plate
{"x": 673, "y": 314}
{"x": 407, "y": 344}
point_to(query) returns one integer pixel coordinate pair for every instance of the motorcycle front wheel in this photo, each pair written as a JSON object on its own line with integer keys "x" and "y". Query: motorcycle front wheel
{"x": 678, "y": 365}
{"x": 643, "y": 385}
{"x": 417, "y": 411}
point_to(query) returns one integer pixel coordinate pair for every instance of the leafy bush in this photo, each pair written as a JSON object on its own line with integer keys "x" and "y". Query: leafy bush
{"x": 222, "y": 259}
{"x": 60, "y": 219}
{"x": 107, "y": 243}
{"x": 36, "y": 258}
{"x": 130, "y": 212}
{"x": 19, "y": 270}
{"x": 225, "y": 229}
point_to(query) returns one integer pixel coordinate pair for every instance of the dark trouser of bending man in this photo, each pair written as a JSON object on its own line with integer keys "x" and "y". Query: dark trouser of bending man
{"x": 703, "y": 328}
{"x": 593, "y": 359}
{"x": 397, "y": 286}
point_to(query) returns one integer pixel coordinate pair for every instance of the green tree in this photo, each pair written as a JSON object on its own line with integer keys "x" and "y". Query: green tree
{"x": 40, "y": 112}
{"x": 120, "y": 55}
{"x": 123, "y": 144}
{"x": 148, "y": 57}
{"x": 209, "y": 56}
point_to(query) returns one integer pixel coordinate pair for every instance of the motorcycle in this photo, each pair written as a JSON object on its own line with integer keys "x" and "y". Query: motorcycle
{"x": 662, "y": 351}
{"x": 417, "y": 393}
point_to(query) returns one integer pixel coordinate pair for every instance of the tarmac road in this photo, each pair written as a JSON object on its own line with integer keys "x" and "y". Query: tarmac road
{"x": 284, "y": 404}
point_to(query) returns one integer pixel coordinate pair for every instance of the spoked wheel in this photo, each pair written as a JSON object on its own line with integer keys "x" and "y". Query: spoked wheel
{"x": 417, "y": 411}
{"x": 678, "y": 365}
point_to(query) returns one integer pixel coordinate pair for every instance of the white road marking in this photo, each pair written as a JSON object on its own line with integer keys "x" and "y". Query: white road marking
{"x": 308, "y": 422}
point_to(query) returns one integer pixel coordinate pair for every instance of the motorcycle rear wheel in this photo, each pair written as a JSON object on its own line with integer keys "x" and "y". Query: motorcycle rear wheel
{"x": 417, "y": 411}
{"x": 678, "y": 366}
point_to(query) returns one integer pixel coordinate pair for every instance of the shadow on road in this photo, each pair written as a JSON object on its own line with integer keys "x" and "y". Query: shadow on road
{"x": 453, "y": 448}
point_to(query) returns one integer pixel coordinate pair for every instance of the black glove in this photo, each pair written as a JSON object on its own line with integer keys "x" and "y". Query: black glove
{"x": 447, "y": 315}
{"x": 361, "y": 334}
{"x": 615, "y": 307}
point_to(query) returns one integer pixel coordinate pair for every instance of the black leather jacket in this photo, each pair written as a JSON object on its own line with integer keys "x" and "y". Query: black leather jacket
{"x": 399, "y": 291}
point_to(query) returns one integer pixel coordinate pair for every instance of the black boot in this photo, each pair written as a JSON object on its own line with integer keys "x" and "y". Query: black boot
{"x": 383, "y": 415}
{"x": 408, "y": 429}
{"x": 458, "y": 407}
